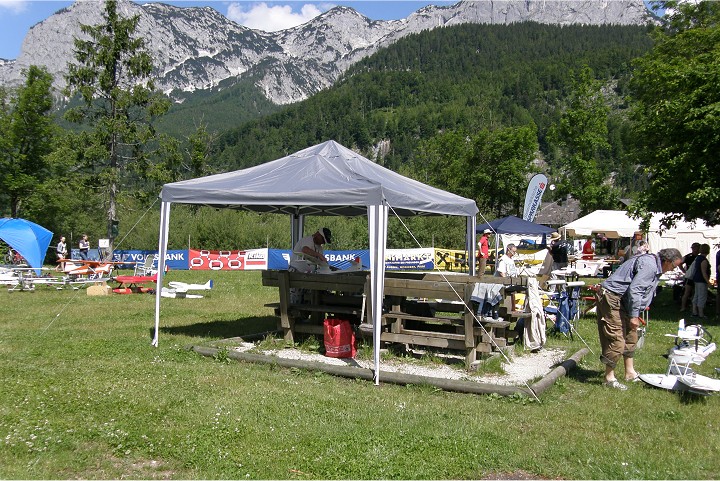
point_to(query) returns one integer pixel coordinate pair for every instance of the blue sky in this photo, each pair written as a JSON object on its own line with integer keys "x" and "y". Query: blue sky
{"x": 17, "y": 16}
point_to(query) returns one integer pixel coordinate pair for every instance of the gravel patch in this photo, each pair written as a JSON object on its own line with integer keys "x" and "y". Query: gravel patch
{"x": 520, "y": 370}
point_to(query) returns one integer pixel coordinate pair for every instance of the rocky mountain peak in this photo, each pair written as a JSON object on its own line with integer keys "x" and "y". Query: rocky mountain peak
{"x": 197, "y": 47}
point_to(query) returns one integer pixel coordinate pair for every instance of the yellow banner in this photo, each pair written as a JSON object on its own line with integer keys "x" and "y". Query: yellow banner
{"x": 451, "y": 260}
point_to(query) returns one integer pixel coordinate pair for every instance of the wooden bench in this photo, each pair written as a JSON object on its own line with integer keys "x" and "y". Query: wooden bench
{"x": 456, "y": 328}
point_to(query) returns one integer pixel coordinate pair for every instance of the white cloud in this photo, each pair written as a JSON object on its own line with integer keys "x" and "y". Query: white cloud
{"x": 269, "y": 18}
{"x": 16, "y": 6}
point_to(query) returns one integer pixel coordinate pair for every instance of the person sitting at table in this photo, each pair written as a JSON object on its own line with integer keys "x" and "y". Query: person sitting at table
{"x": 506, "y": 266}
{"x": 306, "y": 255}
{"x": 588, "y": 250}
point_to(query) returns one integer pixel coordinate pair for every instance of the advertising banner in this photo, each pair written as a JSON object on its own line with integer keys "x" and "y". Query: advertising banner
{"x": 451, "y": 260}
{"x": 409, "y": 259}
{"x": 174, "y": 259}
{"x": 280, "y": 259}
{"x": 228, "y": 260}
{"x": 533, "y": 196}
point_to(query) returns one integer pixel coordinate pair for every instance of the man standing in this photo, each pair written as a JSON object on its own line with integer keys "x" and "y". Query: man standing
{"x": 483, "y": 252}
{"x": 506, "y": 267}
{"x": 559, "y": 250}
{"x": 621, "y": 300}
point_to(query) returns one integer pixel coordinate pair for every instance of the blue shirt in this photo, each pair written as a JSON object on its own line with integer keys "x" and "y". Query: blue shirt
{"x": 636, "y": 280}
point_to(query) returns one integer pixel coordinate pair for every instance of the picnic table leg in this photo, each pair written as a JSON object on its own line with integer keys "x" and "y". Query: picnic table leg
{"x": 286, "y": 322}
{"x": 470, "y": 342}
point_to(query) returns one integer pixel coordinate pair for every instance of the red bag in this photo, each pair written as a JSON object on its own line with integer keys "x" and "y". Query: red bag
{"x": 339, "y": 338}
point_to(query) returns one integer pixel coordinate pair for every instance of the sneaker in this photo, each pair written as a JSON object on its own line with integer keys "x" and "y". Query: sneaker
{"x": 615, "y": 384}
{"x": 634, "y": 379}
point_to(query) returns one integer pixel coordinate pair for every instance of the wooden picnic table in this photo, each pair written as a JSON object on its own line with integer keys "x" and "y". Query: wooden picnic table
{"x": 419, "y": 308}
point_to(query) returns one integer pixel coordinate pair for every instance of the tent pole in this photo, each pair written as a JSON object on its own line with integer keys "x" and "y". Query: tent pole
{"x": 162, "y": 250}
{"x": 471, "y": 242}
{"x": 377, "y": 228}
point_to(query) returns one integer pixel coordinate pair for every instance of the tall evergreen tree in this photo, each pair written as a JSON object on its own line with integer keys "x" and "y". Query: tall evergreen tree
{"x": 113, "y": 79}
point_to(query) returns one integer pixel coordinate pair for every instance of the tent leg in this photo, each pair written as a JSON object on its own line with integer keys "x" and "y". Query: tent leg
{"x": 162, "y": 250}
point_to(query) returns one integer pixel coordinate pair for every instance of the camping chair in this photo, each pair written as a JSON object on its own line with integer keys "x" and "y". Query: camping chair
{"x": 149, "y": 268}
{"x": 557, "y": 310}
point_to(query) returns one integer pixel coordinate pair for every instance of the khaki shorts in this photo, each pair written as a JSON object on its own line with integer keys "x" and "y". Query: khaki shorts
{"x": 616, "y": 338}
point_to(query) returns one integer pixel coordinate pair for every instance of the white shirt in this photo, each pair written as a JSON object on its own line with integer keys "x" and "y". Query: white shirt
{"x": 506, "y": 266}
{"x": 300, "y": 261}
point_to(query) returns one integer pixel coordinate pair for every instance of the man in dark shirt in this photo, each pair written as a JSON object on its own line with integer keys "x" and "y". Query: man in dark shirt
{"x": 559, "y": 251}
{"x": 689, "y": 284}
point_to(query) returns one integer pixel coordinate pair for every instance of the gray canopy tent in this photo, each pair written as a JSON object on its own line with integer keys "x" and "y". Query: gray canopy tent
{"x": 326, "y": 179}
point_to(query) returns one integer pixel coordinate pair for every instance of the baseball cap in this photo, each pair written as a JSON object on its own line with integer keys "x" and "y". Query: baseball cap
{"x": 326, "y": 234}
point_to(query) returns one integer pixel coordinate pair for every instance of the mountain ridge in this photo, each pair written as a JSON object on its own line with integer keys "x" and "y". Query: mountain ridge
{"x": 197, "y": 48}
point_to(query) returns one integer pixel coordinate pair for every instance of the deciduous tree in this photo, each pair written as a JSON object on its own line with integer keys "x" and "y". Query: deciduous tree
{"x": 27, "y": 136}
{"x": 676, "y": 94}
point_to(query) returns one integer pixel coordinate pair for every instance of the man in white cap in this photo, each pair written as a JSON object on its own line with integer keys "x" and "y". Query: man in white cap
{"x": 483, "y": 252}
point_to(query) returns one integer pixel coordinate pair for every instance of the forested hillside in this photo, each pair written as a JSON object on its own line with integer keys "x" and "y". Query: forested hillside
{"x": 473, "y": 109}
{"x": 468, "y": 78}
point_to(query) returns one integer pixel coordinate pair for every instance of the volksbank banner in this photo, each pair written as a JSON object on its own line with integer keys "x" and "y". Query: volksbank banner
{"x": 175, "y": 259}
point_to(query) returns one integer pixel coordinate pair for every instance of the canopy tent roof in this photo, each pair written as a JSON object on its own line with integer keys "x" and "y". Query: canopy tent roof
{"x": 514, "y": 225}
{"x": 326, "y": 179}
{"x": 616, "y": 223}
{"x": 29, "y": 239}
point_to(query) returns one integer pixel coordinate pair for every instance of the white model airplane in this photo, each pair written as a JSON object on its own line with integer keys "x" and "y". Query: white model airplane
{"x": 353, "y": 265}
{"x": 24, "y": 278}
{"x": 180, "y": 289}
{"x": 691, "y": 347}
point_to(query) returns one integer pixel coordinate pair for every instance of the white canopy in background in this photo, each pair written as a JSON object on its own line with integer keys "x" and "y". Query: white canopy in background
{"x": 327, "y": 179}
{"x": 615, "y": 224}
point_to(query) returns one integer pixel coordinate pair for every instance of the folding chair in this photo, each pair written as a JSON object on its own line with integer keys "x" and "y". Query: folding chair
{"x": 149, "y": 268}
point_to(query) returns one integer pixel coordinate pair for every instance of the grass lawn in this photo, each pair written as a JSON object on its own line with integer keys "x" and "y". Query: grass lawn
{"x": 84, "y": 395}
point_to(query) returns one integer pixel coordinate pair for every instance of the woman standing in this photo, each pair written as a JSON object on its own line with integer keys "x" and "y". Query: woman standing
{"x": 701, "y": 280}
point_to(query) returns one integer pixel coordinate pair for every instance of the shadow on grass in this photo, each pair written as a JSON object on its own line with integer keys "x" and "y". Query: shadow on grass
{"x": 223, "y": 329}
{"x": 586, "y": 376}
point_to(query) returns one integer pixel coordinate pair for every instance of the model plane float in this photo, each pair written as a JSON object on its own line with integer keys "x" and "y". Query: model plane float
{"x": 176, "y": 289}
{"x": 692, "y": 346}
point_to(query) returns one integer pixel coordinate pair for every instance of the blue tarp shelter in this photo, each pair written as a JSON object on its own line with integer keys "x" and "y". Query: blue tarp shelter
{"x": 514, "y": 225}
{"x": 29, "y": 239}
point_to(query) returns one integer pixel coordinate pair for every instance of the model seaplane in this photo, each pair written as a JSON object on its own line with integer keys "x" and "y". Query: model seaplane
{"x": 691, "y": 347}
{"x": 18, "y": 278}
{"x": 79, "y": 272}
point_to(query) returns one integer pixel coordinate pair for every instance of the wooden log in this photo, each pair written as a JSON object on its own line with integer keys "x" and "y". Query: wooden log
{"x": 367, "y": 374}
{"x": 566, "y": 366}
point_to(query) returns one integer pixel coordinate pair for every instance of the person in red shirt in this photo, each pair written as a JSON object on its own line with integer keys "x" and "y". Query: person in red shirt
{"x": 483, "y": 252}
{"x": 588, "y": 249}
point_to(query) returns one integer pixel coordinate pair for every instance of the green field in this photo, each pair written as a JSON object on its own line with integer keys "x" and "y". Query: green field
{"x": 84, "y": 395}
